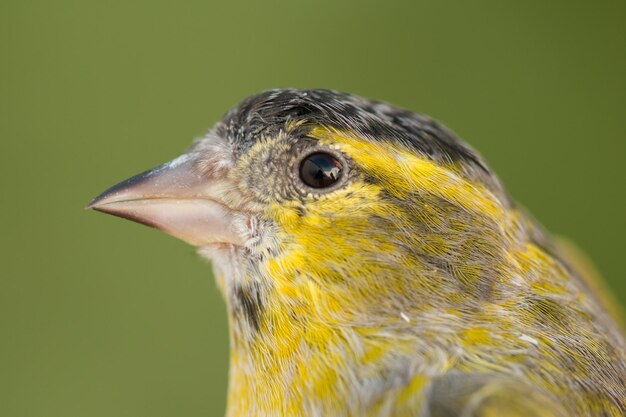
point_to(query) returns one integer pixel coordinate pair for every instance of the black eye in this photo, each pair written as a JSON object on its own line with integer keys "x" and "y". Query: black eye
{"x": 320, "y": 170}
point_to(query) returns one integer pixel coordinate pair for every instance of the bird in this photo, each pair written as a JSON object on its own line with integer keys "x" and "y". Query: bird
{"x": 372, "y": 264}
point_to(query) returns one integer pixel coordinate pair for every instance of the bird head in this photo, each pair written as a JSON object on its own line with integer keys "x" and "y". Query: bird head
{"x": 327, "y": 207}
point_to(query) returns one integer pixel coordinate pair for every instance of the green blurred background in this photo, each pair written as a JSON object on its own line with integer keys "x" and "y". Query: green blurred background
{"x": 103, "y": 317}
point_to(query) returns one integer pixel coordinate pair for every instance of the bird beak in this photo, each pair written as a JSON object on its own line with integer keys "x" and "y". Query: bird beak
{"x": 177, "y": 199}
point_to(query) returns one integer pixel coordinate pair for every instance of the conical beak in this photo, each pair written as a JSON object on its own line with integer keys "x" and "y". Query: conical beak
{"x": 177, "y": 199}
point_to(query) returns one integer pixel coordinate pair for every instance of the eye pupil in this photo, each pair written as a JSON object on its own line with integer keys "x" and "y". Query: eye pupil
{"x": 320, "y": 170}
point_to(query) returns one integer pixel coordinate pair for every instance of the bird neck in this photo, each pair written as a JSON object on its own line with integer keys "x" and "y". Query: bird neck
{"x": 296, "y": 365}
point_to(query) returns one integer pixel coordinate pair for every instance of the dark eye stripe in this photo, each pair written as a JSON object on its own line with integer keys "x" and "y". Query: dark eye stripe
{"x": 320, "y": 170}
